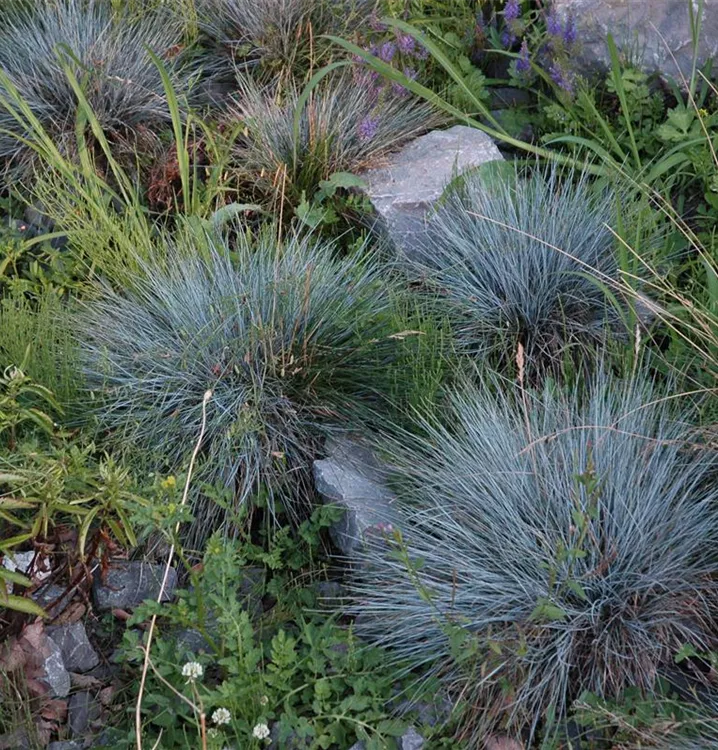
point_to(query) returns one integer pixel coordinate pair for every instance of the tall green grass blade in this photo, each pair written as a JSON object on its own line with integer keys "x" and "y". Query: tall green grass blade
{"x": 623, "y": 99}
{"x": 433, "y": 98}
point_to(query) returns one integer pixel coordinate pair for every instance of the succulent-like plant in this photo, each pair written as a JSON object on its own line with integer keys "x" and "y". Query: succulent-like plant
{"x": 524, "y": 259}
{"x": 108, "y": 55}
{"x": 545, "y": 547}
{"x": 345, "y": 126}
{"x": 286, "y": 336}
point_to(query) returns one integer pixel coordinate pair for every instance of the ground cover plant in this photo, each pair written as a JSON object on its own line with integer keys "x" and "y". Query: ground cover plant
{"x": 272, "y": 475}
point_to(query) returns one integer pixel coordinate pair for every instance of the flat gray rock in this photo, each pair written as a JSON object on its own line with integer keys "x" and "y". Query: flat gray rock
{"x": 52, "y": 594}
{"x": 128, "y": 584}
{"x": 657, "y": 30}
{"x": 404, "y": 190}
{"x": 77, "y": 652}
{"x": 411, "y": 740}
{"x": 82, "y": 710}
{"x": 351, "y": 477}
{"x": 55, "y": 675}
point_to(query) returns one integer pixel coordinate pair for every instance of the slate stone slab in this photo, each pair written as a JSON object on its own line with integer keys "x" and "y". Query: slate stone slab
{"x": 82, "y": 710}
{"x": 55, "y": 675}
{"x": 410, "y": 740}
{"x": 52, "y": 594}
{"x": 65, "y": 745}
{"x": 77, "y": 652}
{"x": 128, "y": 584}
{"x": 404, "y": 190}
{"x": 352, "y": 478}
{"x": 657, "y": 30}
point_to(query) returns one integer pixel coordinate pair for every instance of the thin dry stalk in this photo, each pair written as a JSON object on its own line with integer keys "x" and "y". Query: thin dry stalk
{"x": 168, "y": 564}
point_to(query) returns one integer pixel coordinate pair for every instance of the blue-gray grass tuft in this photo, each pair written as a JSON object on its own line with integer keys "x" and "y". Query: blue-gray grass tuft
{"x": 122, "y": 84}
{"x": 278, "y": 33}
{"x": 546, "y": 548}
{"x": 330, "y": 136}
{"x": 524, "y": 261}
{"x": 287, "y": 337}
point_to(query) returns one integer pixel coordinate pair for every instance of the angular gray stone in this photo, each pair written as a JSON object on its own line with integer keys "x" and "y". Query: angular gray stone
{"x": 330, "y": 594}
{"x": 46, "y": 595}
{"x": 128, "y": 584}
{"x": 77, "y": 652}
{"x": 55, "y": 675}
{"x": 404, "y": 190}
{"x": 191, "y": 640}
{"x": 352, "y": 478}
{"x": 65, "y": 745}
{"x": 411, "y": 740}
{"x": 657, "y": 30}
{"x": 82, "y": 709}
{"x": 292, "y": 742}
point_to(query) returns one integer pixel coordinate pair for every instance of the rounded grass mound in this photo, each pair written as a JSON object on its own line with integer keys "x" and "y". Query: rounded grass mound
{"x": 524, "y": 260}
{"x": 107, "y": 53}
{"x": 546, "y": 549}
{"x": 280, "y": 34}
{"x": 286, "y": 336}
{"x": 345, "y": 126}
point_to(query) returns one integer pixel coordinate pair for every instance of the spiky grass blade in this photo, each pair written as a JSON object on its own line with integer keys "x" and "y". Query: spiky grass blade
{"x": 524, "y": 261}
{"x": 108, "y": 55}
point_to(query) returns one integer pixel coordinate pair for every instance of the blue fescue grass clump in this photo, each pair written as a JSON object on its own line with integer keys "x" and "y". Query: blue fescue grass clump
{"x": 286, "y": 336}
{"x": 279, "y": 33}
{"x": 547, "y": 545}
{"x": 292, "y": 145}
{"x": 106, "y": 51}
{"x": 524, "y": 260}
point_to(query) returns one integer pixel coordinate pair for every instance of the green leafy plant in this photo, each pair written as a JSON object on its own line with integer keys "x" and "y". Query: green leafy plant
{"x": 302, "y": 676}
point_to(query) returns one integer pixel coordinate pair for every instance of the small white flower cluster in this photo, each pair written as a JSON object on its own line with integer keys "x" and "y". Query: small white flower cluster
{"x": 261, "y": 731}
{"x": 221, "y": 716}
{"x": 192, "y": 670}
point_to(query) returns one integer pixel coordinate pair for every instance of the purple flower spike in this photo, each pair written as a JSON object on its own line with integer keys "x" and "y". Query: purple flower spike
{"x": 387, "y": 51}
{"x": 562, "y": 78}
{"x": 570, "y": 33}
{"x": 421, "y": 52}
{"x": 523, "y": 64}
{"x": 367, "y": 128}
{"x": 406, "y": 44}
{"x": 512, "y": 10}
{"x": 375, "y": 24}
{"x": 398, "y": 90}
{"x": 553, "y": 24}
{"x": 507, "y": 39}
